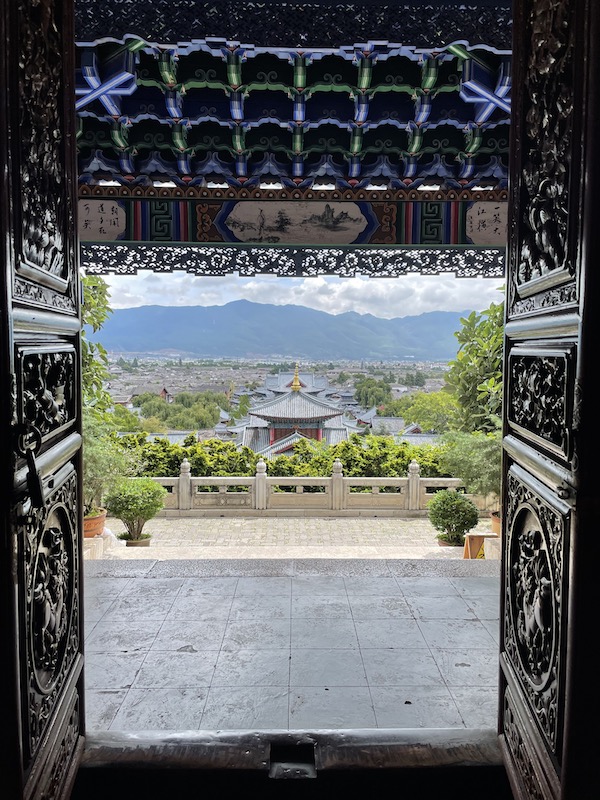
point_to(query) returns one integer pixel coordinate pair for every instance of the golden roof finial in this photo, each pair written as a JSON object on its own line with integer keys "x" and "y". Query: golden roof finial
{"x": 296, "y": 385}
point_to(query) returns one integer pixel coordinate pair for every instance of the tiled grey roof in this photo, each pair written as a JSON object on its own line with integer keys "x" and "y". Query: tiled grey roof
{"x": 283, "y": 380}
{"x": 295, "y": 406}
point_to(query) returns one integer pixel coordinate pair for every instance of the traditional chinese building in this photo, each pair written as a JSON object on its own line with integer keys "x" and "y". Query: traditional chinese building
{"x": 293, "y": 412}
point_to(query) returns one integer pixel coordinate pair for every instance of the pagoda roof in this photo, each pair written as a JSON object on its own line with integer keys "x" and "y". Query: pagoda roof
{"x": 294, "y": 406}
{"x": 282, "y": 381}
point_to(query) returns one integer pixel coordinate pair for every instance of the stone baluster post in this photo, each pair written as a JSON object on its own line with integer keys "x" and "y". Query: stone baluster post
{"x": 414, "y": 486}
{"x": 337, "y": 486}
{"x": 260, "y": 485}
{"x": 185, "y": 486}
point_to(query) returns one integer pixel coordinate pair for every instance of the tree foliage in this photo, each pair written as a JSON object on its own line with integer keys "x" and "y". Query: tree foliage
{"x": 370, "y": 392}
{"x": 453, "y": 514}
{"x": 475, "y": 375}
{"x": 95, "y": 310}
{"x": 432, "y": 411}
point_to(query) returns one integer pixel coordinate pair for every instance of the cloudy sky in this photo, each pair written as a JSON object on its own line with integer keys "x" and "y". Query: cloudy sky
{"x": 407, "y": 295}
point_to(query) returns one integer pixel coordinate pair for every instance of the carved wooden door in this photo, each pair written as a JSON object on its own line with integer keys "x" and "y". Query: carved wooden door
{"x": 548, "y": 695}
{"x": 40, "y": 556}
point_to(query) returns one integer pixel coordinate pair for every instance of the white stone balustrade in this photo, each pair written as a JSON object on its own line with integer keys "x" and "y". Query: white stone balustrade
{"x": 338, "y": 495}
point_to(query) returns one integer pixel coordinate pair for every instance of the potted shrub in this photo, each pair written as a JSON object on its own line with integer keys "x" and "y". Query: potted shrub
{"x": 134, "y": 501}
{"x": 453, "y": 514}
{"x": 476, "y": 458}
{"x": 103, "y": 463}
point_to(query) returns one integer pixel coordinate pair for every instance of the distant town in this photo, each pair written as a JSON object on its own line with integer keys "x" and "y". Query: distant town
{"x": 253, "y": 403}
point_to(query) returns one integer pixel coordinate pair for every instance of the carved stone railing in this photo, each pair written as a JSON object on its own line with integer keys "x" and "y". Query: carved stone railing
{"x": 266, "y": 495}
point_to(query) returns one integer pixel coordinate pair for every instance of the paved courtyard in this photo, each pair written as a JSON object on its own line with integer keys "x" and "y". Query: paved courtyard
{"x": 363, "y": 623}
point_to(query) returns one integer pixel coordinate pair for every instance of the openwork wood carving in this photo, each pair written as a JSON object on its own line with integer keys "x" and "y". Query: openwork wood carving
{"x": 547, "y": 141}
{"x": 47, "y": 391}
{"x": 50, "y": 608}
{"x": 99, "y": 259}
{"x": 42, "y": 160}
{"x": 538, "y": 386}
{"x": 520, "y": 751}
{"x": 43, "y": 273}
{"x": 534, "y": 592}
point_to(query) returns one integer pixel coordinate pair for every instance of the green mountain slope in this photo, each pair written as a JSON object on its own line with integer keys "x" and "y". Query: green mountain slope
{"x": 245, "y": 329}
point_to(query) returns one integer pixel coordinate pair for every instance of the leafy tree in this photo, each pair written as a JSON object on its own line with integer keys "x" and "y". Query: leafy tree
{"x": 475, "y": 375}
{"x": 433, "y": 411}
{"x": 371, "y": 392}
{"x": 153, "y": 425}
{"x": 125, "y": 420}
{"x": 396, "y": 408}
{"x": 95, "y": 310}
{"x": 475, "y": 458}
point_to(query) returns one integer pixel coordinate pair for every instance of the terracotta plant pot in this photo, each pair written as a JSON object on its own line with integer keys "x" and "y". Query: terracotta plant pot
{"x": 496, "y": 522}
{"x": 94, "y": 525}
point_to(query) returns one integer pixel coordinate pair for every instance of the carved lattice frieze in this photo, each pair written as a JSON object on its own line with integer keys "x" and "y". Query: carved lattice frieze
{"x": 539, "y": 396}
{"x": 298, "y": 23}
{"x": 534, "y": 552}
{"x": 49, "y": 613}
{"x": 121, "y": 259}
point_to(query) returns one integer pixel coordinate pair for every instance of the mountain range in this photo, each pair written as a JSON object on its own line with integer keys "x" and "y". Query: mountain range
{"x": 244, "y": 329}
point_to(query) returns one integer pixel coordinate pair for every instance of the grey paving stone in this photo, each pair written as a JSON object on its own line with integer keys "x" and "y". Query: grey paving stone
{"x": 267, "y": 667}
{"x": 246, "y": 708}
{"x": 416, "y": 707}
{"x": 326, "y": 668}
{"x": 399, "y": 667}
{"x": 324, "y": 634}
{"x": 337, "y": 708}
{"x": 183, "y": 670}
{"x": 160, "y": 709}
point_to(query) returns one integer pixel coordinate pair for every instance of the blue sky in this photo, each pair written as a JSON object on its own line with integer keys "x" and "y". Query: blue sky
{"x": 407, "y": 295}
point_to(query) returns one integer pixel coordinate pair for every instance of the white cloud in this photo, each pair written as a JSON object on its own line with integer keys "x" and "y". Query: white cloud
{"x": 407, "y": 295}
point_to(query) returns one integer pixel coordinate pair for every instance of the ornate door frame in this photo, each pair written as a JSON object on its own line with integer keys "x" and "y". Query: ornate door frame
{"x": 40, "y": 557}
{"x": 551, "y": 440}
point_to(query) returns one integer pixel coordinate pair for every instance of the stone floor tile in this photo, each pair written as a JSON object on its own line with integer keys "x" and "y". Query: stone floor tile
{"x": 249, "y": 607}
{"x": 468, "y": 667}
{"x": 449, "y": 633}
{"x": 326, "y": 668}
{"x": 382, "y": 607}
{"x": 185, "y": 636}
{"x": 415, "y": 667}
{"x": 426, "y": 586}
{"x": 246, "y": 708}
{"x": 126, "y": 635}
{"x": 252, "y": 668}
{"x": 478, "y": 705}
{"x": 377, "y": 585}
{"x": 396, "y": 633}
{"x": 324, "y": 633}
{"x": 264, "y": 586}
{"x": 101, "y": 707}
{"x": 112, "y": 670}
{"x": 337, "y": 708}
{"x": 415, "y": 707}
{"x": 201, "y": 607}
{"x": 318, "y": 585}
{"x": 485, "y": 606}
{"x": 320, "y": 607}
{"x": 160, "y": 709}
{"x": 442, "y": 608}
{"x": 162, "y": 669}
{"x": 256, "y": 634}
